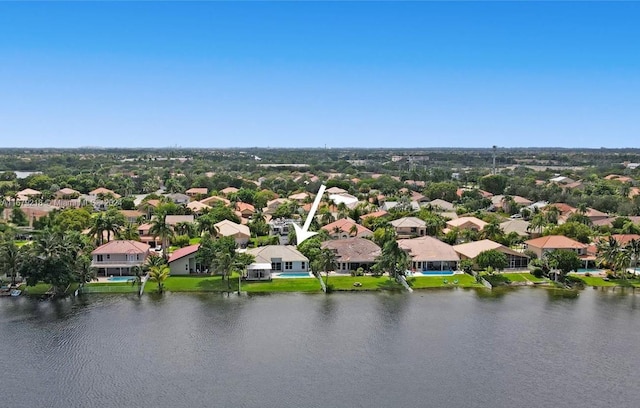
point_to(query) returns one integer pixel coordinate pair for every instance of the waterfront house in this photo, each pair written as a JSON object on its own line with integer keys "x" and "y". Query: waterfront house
{"x": 119, "y": 256}
{"x": 353, "y": 253}
{"x": 283, "y": 258}
{"x": 183, "y": 261}
{"x": 258, "y": 272}
{"x": 544, "y": 245}
{"x": 430, "y": 254}
{"x": 471, "y": 250}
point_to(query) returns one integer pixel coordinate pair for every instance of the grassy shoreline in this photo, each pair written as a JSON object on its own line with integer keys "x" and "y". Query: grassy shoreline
{"x": 340, "y": 283}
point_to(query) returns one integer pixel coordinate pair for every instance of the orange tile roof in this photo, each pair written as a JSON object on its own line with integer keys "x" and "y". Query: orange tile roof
{"x": 555, "y": 242}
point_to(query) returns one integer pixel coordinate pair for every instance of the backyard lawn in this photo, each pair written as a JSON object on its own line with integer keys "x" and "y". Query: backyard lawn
{"x": 423, "y": 282}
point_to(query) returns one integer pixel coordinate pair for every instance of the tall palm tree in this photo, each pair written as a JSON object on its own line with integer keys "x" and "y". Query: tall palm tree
{"x": 129, "y": 232}
{"x": 326, "y": 261}
{"x": 10, "y": 259}
{"x": 160, "y": 229}
{"x": 634, "y": 250}
{"x": 392, "y": 259}
{"x": 183, "y": 228}
{"x": 98, "y": 228}
{"x": 537, "y": 223}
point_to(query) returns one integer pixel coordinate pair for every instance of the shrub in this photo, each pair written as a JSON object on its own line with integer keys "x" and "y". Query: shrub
{"x": 537, "y": 272}
{"x": 181, "y": 241}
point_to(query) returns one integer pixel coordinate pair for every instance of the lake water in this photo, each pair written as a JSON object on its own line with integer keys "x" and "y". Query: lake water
{"x": 457, "y": 348}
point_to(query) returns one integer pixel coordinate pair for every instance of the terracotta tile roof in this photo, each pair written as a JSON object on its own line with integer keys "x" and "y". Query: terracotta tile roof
{"x": 345, "y": 224}
{"x": 376, "y": 214}
{"x": 240, "y": 206}
{"x": 555, "y": 242}
{"x": 122, "y": 247}
{"x": 562, "y": 207}
{"x": 182, "y": 252}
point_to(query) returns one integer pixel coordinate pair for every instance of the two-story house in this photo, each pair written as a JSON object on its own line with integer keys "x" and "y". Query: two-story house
{"x": 119, "y": 256}
{"x": 409, "y": 227}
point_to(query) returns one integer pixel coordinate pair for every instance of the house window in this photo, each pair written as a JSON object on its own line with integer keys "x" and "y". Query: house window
{"x": 303, "y": 266}
{"x": 100, "y": 258}
{"x": 288, "y": 265}
{"x": 108, "y": 256}
{"x": 186, "y": 267}
{"x": 276, "y": 266}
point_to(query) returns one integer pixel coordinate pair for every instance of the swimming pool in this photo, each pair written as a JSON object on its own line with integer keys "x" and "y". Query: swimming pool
{"x": 120, "y": 278}
{"x": 293, "y": 275}
{"x": 590, "y": 270}
{"x": 435, "y": 273}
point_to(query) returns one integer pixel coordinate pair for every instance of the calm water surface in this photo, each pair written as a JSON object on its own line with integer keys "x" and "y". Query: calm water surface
{"x": 524, "y": 348}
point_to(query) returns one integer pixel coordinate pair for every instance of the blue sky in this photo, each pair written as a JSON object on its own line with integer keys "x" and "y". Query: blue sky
{"x": 310, "y": 74}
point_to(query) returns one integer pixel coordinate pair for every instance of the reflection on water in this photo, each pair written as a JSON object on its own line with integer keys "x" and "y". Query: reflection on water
{"x": 469, "y": 348}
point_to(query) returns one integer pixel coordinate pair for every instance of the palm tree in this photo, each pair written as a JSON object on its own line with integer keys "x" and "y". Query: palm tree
{"x": 183, "y": 228}
{"x": 98, "y": 228}
{"x": 393, "y": 259}
{"x": 492, "y": 231}
{"x": 537, "y": 223}
{"x": 85, "y": 273}
{"x": 353, "y": 231}
{"x": 326, "y": 261}
{"x": 159, "y": 228}
{"x": 10, "y": 259}
{"x": 129, "y": 232}
{"x": 138, "y": 273}
{"x": 634, "y": 250}
{"x": 612, "y": 254}
{"x": 159, "y": 274}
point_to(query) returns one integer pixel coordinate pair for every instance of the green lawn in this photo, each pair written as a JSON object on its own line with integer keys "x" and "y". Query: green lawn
{"x": 195, "y": 284}
{"x": 423, "y": 282}
{"x": 42, "y": 288}
{"x": 600, "y": 282}
{"x": 345, "y": 283}
{"x": 523, "y": 277}
{"x": 283, "y": 285}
